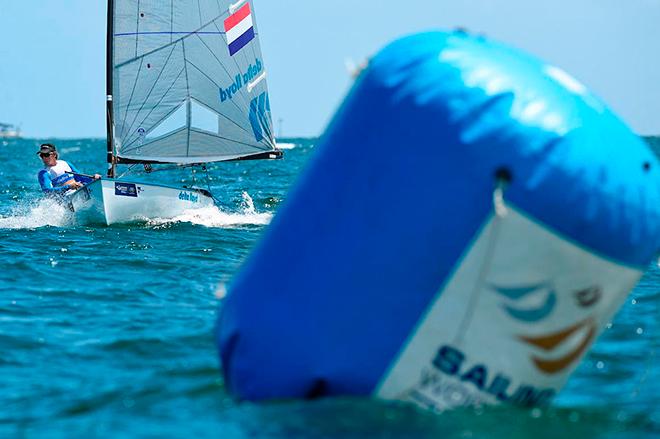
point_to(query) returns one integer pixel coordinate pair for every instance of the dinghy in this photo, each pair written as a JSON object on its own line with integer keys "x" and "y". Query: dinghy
{"x": 186, "y": 86}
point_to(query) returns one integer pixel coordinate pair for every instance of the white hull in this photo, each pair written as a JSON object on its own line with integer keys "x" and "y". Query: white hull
{"x": 118, "y": 201}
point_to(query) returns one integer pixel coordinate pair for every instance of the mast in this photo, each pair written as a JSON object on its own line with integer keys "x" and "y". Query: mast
{"x": 108, "y": 79}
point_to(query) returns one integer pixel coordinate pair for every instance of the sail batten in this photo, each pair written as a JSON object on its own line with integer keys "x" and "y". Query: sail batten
{"x": 159, "y": 65}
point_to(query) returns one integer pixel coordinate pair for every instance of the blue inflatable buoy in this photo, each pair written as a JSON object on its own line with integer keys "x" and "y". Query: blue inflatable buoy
{"x": 470, "y": 221}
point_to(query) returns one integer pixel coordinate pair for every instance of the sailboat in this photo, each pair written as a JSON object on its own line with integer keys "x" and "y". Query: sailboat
{"x": 186, "y": 86}
{"x": 8, "y": 131}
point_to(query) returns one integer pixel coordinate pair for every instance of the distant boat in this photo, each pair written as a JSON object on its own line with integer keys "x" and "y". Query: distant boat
{"x": 8, "y": 131}
{"x": 186, "y": 86}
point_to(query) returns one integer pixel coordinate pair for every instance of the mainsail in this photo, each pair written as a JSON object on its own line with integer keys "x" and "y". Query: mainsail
{"x": 188, "y": 82}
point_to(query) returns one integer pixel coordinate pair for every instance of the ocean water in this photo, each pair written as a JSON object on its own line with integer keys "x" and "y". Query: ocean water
{"x": 107, "y": 331}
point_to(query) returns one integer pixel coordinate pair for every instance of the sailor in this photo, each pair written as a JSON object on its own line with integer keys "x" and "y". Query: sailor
{"x": 58, "y": 176}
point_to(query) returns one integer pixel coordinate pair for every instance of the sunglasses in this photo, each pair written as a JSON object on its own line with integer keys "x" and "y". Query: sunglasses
{"x": 43, "y": 155}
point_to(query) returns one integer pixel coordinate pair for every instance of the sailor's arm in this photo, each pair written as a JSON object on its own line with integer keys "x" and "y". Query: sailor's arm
{"x": 47, "y": 184}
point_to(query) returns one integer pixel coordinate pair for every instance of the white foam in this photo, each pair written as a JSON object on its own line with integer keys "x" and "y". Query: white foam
{"x": 216, "y": 218}
{"x": 41, "y": 213}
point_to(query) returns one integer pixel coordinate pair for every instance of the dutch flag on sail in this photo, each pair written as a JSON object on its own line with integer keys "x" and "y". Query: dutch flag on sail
{"x": 239, "y": 28}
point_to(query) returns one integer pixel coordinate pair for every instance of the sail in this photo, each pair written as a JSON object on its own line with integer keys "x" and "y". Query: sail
{"x": 188, "y": 82}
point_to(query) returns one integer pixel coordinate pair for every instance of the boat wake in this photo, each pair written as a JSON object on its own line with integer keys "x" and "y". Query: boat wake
{"x": 215, "y": 217}
{"x": 40, "y": 213}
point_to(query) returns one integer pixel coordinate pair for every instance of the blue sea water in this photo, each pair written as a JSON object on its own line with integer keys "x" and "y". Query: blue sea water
{"x": 107, "y": 331}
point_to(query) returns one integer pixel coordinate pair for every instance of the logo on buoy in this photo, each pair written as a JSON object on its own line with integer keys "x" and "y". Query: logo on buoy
{"x": 552, "y": 341}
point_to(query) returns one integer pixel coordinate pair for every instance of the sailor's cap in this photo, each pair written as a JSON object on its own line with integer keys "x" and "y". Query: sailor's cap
{"x": 46, "y": 148}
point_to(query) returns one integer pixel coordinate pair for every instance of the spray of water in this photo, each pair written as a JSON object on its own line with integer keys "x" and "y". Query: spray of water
{"x": 36, "y": 214}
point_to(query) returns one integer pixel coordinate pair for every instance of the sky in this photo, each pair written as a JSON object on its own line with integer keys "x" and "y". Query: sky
{"x": 52, "y": 54}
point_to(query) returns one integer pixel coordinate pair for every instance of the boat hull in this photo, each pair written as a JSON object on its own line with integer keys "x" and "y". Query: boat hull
{"x": 119, "y": 201}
